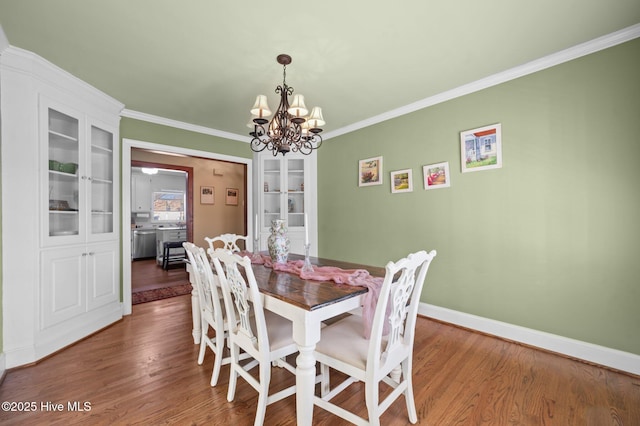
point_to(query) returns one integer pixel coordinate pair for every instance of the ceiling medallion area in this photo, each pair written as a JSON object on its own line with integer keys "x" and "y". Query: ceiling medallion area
{"x": 292, "y": 128}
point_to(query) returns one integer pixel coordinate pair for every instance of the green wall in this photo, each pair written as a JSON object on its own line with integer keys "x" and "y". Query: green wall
{"x": 550, "y": 241}
{"x": 156, "y": 133}
{"x": 171, "y": 136}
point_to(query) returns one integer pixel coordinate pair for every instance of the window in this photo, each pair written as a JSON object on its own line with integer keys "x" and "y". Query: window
{"x": 168, "y": 206}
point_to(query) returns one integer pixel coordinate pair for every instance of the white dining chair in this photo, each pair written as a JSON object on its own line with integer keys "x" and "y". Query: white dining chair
{"x": 263, "y": 335}
{"x": 343, "y": 347}
{"x": 229, "y": 241}
{"x": 212, "y": 313}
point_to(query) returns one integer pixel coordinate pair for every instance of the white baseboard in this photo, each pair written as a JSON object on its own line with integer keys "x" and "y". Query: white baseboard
{"x": 3, "y": 364}
{"x": 613, "y": 358}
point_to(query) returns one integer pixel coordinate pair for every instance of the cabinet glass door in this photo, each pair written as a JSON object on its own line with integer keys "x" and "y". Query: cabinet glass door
{"x": 63, "y": 184}
{"x": 295, "y": 192}
{"x": 272, "y": 191}
{"x": 101, "y": 182}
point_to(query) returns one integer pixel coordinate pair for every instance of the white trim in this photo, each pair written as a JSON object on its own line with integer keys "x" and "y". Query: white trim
{"x": 41, "y": 70}
{"x": 3, "y": 365}
{"x": 554, "y": 59}
{"x": 127, "y": 144}
{"x": 620, "y": 360}
{"x": 4, "y": 41}
{"x": 182, "y": 125}
{"x": 549, "y": 61}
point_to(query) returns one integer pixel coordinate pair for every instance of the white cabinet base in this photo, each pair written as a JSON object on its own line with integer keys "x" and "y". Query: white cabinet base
{"x": 61, "y": 260}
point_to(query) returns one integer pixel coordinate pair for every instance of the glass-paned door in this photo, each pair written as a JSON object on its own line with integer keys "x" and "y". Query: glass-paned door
{"x": 272, "y": 191}
{"x": 63, "y": 176}
{"x": 295, "y": 192}
{"x": 101, "y": 181}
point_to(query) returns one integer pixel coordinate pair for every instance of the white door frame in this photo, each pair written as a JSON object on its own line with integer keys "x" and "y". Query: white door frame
{"x": 127, "y": 145}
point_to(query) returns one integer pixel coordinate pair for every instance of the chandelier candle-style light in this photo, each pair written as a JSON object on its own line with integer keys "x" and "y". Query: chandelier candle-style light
{"x": 290, "y": 129}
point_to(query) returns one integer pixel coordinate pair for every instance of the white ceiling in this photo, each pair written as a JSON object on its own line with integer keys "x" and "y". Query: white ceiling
{"x": 203, "y": 62}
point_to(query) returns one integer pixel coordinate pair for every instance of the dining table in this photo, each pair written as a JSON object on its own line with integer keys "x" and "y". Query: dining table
{"x": 306, "y": 303}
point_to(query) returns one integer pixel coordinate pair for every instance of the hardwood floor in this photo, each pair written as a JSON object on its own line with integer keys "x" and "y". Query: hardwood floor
{"x": 147, "y": 275}
{"x": 143, "y": 370}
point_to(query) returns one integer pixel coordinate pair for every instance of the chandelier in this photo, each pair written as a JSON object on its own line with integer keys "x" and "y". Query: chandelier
{"x": 290, "y": 129}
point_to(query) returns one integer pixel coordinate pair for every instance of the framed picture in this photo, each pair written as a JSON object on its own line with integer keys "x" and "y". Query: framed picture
{"x": 207, "y": 195}
{"x": 232, "y": 197}
{"x": 436, "y": 175}
{"x": 370, "y": 171}
{"x": 481, "y": 148}
{"x": 401, "y": 181}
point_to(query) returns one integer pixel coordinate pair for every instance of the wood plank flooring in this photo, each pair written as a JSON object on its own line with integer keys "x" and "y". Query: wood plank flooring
{"x": 143, "y": 370}
{"x": 147, "y": 275}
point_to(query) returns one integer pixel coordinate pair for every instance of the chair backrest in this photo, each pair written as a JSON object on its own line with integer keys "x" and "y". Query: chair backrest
{"x": 208, "y": 294}
{"x": 398, "y": 303}
{"x": 229, "y": 241}
{"x": 242, "y": 301}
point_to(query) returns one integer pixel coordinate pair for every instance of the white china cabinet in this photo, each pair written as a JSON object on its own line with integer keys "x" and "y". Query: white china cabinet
{"x": 60, "y": 197}
{"x": 286, "y": 189}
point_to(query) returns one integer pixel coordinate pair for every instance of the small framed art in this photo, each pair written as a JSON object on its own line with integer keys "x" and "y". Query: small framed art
{"x": 232, "y": 197}
{"x": 207, "y": 195}
{"x": 436, "y": 175}
{"x": 401, "y": 181}
{"x": 481, "y": 148}
{"x": 370, "y": 171}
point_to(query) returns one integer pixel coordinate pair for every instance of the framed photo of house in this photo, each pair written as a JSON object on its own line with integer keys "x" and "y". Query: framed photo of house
{"x": 370, "y": 171}
{"x": 232, "y": 197}
{"x": 401, "y": 181}
{"x": 481, "y": 148}
{"x": 436, "y": 175}
{"x": 207, "y": 195}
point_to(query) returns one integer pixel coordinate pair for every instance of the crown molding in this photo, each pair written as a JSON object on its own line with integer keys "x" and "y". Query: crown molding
{"x": 549, "y": 61}
{"x": 137, "y": 115}
{"x": 4, "y": 41}
{"x": 575, "y": 52}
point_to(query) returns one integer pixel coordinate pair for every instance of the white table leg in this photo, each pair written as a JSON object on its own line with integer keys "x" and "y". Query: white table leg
{"x": 195, "y": 313}
{"x": 306, "y": 334}
{"x": 195, "y": 309}
{"x": 305, "y": 384}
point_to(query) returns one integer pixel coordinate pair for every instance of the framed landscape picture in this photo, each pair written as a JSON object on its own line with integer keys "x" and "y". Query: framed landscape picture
{"x": 481, "y": 148}
{"x": 436, "y": 175}
{"x": 370, "y": 171}
{"x": 401, "y": 181}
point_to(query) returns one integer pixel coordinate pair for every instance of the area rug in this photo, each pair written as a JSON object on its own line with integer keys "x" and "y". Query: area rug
{"x": 160, "y": 293}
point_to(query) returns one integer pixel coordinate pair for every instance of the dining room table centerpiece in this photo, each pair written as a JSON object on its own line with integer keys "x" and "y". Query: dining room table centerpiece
{"x": 278, "y": 242}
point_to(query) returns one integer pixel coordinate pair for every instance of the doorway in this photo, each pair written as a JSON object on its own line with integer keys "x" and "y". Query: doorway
{"x": 241, "y": 210}
{"x": 162, "y": 200}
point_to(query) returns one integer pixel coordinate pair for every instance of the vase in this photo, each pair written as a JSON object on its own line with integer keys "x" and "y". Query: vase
{"x": 278, "y": 242}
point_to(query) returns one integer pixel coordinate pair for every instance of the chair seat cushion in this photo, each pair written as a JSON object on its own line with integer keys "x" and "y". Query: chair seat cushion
{"x": 343, "y": 341}
{"x": 279, "y": 329}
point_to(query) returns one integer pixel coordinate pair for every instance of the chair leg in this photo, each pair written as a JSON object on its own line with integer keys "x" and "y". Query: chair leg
{"x": 217, "y": 363}
{"x": 408, "y": 393}
{"x": 203, "y": 343}
{"x": 325, "y": 385}
{"x": 165, "y": 258}
{"x": 373, "y": 409}
{"x": 233, "y": 373}
{"x": 263, "y": 394}
{"x": 395, "y": 374}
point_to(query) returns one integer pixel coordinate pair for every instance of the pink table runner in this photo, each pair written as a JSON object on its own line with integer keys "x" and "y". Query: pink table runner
{"x": 356, "y": 277}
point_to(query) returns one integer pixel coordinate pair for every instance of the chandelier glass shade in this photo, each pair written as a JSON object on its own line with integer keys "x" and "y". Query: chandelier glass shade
{"x": 292, "y": 128}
